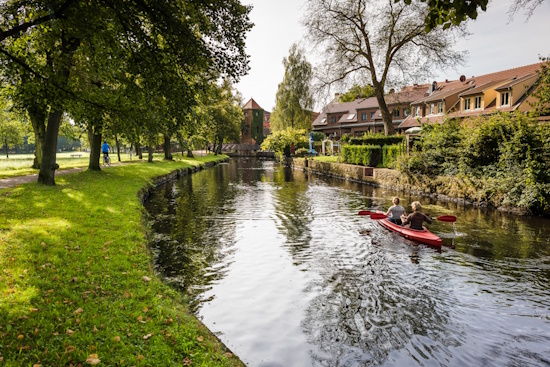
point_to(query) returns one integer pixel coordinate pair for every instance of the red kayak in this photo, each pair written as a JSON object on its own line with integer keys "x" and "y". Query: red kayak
{"x": 423, "y": 236}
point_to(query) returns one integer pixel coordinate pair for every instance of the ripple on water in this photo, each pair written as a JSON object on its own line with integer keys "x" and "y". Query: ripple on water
{"x": 280, "y": 266}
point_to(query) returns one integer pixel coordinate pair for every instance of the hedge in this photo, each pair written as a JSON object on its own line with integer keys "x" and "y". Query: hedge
{"x": 390, "y": 154}
{"x": 377, "y": 139}
{"x": 366, "y": 155}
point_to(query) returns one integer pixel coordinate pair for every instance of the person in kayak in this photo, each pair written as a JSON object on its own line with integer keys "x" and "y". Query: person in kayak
{"x": 395, "y": 212}
{"x": 416, "y": 218}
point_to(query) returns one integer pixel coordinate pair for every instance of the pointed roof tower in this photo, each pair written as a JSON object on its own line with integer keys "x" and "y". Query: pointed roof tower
{"x": 252, "y": 105}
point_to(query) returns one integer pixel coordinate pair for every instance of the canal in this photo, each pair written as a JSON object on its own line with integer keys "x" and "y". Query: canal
{"x": 280, "y": 267}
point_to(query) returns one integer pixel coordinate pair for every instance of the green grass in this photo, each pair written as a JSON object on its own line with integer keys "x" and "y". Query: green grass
{"x": 327, "y": 158}
{"x": 76, "y": 279}
{"x": 20, "y": 164}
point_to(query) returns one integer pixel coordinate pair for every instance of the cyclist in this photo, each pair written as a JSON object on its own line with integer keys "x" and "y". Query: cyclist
{"x": 105, "y": 151}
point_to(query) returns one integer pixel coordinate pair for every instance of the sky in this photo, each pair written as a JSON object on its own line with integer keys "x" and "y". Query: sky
{"x": 495, "y": 43}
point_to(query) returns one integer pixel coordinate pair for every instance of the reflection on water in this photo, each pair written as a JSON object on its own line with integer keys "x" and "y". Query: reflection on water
{"x": 279, "y": 265}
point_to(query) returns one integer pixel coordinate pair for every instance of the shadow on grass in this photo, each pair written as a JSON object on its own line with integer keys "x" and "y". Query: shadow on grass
{"x": 76, "y": 279}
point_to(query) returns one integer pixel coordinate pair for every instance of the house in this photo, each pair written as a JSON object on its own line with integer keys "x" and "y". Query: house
{"x": 363, "y": 115}
{"x": 253, "y": 124}
{"x": 507, "y": 90}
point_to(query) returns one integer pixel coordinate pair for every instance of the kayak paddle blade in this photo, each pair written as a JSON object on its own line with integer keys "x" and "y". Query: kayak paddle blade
{"x": 364, "y": 212}
{"x": 447, "y": 218}
{"x": 378, "y": 216}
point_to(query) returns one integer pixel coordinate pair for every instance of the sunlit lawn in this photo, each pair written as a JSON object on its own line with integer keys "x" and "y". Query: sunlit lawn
{"x": 20, "y": 164}
{"x": 326, "y": 158}
{"x": 76, "y": 282}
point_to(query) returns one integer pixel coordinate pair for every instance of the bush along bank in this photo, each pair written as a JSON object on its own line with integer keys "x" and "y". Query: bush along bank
{"x": 77, "y": 286}
{"x": 502, "y": 160}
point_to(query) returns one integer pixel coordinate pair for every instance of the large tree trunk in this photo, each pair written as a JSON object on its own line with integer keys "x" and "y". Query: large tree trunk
{"x": 150, "y": 152}
{"x": 48, "y": 166}
{"x": 386, "y": 115}
{"x": 117, "y": 147}
{"x": 167, "y": 148}
{"x": 37, "y": 116}
{"x": 94, "y": 138}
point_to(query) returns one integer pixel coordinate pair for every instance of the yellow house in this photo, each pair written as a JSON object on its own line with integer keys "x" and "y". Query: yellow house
{"x": 506, "y": 90}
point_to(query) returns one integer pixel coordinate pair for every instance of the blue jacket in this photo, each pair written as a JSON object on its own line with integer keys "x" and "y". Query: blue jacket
{"x": 105, "y": 148}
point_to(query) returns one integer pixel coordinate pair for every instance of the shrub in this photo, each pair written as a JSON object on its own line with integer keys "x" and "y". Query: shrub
{"x": 506, "y": 154}
{"x": 366, "y": 155}
{"x": 302, "y": 152}
{"x": 390, "y": 154}
{"x": 377, "y": 139}
{"x": 278, "y": 140}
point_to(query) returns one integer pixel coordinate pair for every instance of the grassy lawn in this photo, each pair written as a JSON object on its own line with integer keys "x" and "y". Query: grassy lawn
{"x": 76, "y": 283}
{"x": 327, "y": 158}
{"x": 20, "y": 164}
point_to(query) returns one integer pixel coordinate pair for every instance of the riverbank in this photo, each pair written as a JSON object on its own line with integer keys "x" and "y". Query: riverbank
{"x": 460, "y": 190}
{"x": 77, "y": 284}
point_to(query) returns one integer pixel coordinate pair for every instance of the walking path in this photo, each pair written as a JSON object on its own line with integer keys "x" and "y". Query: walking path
{"x": 6, "y": 183}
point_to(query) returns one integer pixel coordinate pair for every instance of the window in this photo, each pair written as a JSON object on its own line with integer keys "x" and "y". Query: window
{"x": 396, "y": 112}
{"x": 477, "y": 103}
{"x": 350, "y": 117}
{"x": 333, "y": 120}
{"x": 466, "y": 104}
{"x": 245, "y": 113}
{"x": 364, "y": 116}
{"x": 406, "y": 112}
{"x": 372, "y": 115}
{"x": 324, "y": 120}
{"x": 505, "y": 99}
{"x": 418, "y": 112}
{"x": 440, "y": 107}
{"x": 432, "y": 108}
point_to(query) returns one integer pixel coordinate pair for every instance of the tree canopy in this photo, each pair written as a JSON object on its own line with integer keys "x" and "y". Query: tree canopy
{"x": 116, "y": 60}
{"x": 294, "y": 100}
{"x": 445, "y": 13}
{"x": 374, "y": 42}
{"x": 357, "y": 91}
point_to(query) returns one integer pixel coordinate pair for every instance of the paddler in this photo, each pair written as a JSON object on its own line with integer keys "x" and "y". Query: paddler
{"x": 395, "y": 212}
{"x": 416, "y": 218}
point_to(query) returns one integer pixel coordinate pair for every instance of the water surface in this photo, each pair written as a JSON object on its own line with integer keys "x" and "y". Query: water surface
{"x": 278, "y": 264}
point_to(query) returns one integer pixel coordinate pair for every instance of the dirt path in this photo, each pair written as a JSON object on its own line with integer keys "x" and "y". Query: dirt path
{"x": 18, "y": 180}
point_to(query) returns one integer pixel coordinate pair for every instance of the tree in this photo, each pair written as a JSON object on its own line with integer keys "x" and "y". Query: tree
{"x": 294, "y": 100}
{"x": 12, "y": 130}
{"x": 542, "y": 90}
{"x": 451, "y": 12}
{"x": 376, "y": 41}
{"x": 357, "y": 91}
{"x": 225, "y": 114}
{"x": 55, "y": 46}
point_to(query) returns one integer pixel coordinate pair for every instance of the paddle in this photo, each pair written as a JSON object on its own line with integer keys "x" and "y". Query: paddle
{"x": 442, "y": 218}
{"x": 365, "y": 212}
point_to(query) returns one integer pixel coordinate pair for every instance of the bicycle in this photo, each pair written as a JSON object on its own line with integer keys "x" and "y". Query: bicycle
{"x": 106, "y": 160}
